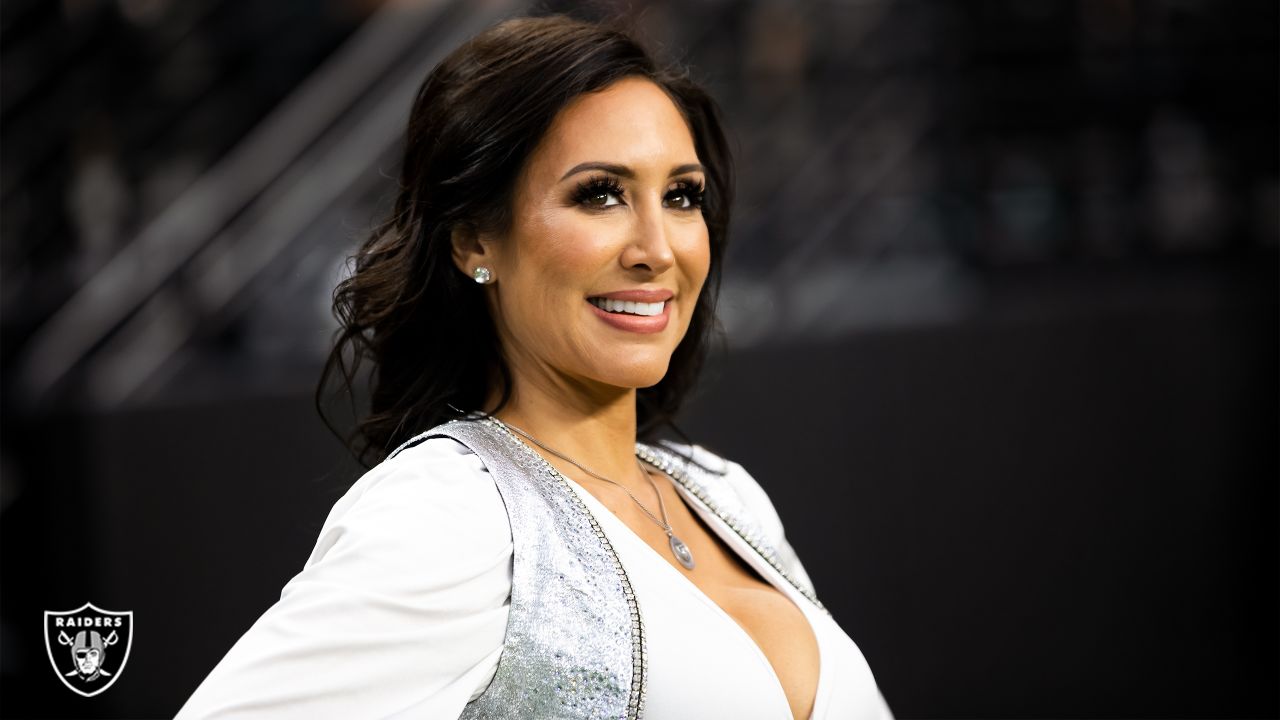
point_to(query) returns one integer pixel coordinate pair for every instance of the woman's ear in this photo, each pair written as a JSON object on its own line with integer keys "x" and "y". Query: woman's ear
{"x": 470, "y": 251}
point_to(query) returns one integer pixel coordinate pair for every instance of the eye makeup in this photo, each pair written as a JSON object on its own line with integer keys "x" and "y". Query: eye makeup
{"x": 693, "y": 190}
{"x": 595, "y": 190}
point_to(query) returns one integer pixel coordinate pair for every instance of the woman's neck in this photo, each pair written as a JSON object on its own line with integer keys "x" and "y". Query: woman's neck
{"x": 596, "y": 427}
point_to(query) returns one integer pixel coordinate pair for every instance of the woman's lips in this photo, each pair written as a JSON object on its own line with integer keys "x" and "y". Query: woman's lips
{"x": 644, "y": 324}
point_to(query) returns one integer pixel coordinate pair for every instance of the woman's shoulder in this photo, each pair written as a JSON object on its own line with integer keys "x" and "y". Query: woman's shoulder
{"x": 430, "y": 491}
{"x": 400, "y": 610}
{"x": 735, "y": 477}
{"x": 436, "y": 463}
{"x": 753, "y": 498}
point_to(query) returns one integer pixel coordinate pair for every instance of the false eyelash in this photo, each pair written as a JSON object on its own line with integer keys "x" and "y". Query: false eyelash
{"x": 595, "y": 187}
{"x": 696, "y": 191}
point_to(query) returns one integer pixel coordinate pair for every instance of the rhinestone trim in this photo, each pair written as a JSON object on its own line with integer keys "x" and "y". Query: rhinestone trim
{"x": 663, "y": 463}
{"x": 639, "y": 654}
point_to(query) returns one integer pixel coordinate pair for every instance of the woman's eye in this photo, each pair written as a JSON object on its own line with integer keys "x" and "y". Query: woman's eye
{"x": 602, "y": 193}
{"x": 599, "y": 193}
{"x": 679, "y": 199}
{"x": 684, "y": 198}
{"x": 603, "y": 198}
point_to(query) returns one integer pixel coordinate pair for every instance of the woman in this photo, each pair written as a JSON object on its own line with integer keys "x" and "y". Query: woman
{"x": 541, "y": 296}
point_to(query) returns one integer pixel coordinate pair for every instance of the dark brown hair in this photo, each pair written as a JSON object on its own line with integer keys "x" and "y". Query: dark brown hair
{"x": 407, "y": 310}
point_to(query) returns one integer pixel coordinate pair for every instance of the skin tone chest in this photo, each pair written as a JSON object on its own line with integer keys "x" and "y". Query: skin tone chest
{"x": 771, "y": 620}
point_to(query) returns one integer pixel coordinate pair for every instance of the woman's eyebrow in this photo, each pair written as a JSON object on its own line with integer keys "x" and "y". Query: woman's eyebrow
{"x": 626, "y": 172}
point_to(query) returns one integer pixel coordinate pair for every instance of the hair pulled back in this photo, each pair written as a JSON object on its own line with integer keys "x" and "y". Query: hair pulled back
{"x": 407, "y": 310}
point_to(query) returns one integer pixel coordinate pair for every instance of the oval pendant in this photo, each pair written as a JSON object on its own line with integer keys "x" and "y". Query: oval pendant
{"x": 681, "y": 551}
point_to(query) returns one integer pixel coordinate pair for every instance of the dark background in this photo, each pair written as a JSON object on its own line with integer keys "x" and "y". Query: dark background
{"x": 1000, "y": 312}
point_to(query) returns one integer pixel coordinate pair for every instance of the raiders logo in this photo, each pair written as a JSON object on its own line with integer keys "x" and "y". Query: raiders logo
{"x": 88, "y": 646}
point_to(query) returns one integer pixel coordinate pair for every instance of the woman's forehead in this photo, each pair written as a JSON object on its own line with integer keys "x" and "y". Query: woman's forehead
{"x": 633, "y": 122}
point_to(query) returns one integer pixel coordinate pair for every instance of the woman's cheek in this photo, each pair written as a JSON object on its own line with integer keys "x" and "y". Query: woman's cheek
{"x": 570, "y": 246}
{"x": 698, "y": 262}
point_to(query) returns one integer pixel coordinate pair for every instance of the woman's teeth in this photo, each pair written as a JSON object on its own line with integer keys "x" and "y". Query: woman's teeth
{"x": 626, "y": 306}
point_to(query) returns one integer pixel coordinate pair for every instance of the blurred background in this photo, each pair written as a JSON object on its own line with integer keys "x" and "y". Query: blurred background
{"x": 1000, "y": 311}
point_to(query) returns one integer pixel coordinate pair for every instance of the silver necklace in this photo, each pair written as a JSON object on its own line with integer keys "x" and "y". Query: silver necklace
{"x": 678, "y": 548}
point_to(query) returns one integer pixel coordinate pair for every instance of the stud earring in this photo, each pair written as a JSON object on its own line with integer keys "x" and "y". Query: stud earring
{"x": 482, "y": 275}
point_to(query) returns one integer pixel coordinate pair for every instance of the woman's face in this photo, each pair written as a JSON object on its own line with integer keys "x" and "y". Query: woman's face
{"x": 597, "y": 279}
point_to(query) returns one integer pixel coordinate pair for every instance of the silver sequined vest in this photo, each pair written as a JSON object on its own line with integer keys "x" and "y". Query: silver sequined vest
{"x": 575, "y": 641}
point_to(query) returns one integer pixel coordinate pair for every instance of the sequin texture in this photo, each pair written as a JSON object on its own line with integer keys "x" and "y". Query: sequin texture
{"x": 574, "y": 646}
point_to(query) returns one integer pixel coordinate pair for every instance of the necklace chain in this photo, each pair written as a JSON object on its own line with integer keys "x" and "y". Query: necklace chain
{"x": 678, "y": 548}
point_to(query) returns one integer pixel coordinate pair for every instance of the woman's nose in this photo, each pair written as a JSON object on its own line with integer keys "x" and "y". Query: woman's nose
{"x": 650, "y": 245}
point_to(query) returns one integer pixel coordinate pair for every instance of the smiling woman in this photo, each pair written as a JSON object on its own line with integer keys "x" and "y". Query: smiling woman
{"x": 591, "y": 239}
{"x": 536, "y": 306}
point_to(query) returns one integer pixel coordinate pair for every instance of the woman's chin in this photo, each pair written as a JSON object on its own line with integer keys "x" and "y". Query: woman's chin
{"x": 635, "y": 375}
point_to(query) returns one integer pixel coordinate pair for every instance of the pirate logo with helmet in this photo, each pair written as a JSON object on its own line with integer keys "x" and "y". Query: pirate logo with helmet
{"x": 88, "y": 646}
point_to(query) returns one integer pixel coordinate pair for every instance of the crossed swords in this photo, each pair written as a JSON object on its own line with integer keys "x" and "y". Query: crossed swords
{"x": 108, "y": 641}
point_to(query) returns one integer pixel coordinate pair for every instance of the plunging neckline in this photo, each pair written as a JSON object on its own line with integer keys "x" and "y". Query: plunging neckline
{"x": 762, "y": 569}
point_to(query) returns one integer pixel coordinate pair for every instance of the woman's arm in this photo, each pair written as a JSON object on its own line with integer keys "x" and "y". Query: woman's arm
{"x": 400, "y": 610}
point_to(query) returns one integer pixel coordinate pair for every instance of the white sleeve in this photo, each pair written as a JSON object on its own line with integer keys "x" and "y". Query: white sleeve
{"x": 400, "y": 611}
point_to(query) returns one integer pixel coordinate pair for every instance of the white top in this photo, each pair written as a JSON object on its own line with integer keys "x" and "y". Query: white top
{"x": 402, "y": 607}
